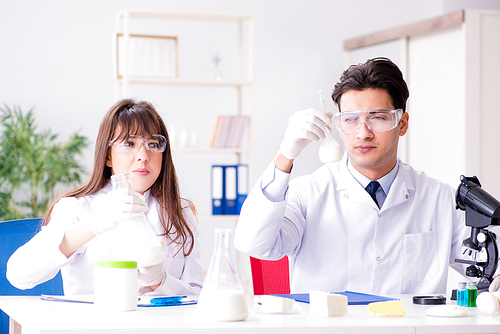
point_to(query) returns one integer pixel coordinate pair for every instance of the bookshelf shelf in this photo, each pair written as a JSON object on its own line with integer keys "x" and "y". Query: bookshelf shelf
{"x": 179, "y": 15}
{"x": 181, "y": 82}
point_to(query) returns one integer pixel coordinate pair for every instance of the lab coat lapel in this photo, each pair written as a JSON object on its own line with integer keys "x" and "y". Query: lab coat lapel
{"x": 400, "y": 188}
{"x": 349, "y": 188}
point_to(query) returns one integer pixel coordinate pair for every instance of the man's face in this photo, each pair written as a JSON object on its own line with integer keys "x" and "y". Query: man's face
{"x": 373, "y": 154}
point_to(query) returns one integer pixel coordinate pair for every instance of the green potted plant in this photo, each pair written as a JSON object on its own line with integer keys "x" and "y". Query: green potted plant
{"x": 32, "y": 164}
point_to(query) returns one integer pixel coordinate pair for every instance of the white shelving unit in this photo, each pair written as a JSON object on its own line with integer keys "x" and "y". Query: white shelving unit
{"x": 123, "y": 84}
{"x": 239, "y": 85}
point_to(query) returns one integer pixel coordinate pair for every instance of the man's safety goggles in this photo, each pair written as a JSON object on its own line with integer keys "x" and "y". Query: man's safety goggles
{"x": 348, "y": 122}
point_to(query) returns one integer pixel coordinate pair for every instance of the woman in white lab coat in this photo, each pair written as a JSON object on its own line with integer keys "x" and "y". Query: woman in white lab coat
{"x": 132, "y": 139}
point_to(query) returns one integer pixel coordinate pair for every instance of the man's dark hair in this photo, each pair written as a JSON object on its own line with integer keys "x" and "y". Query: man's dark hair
{"x": 379, "y": 73}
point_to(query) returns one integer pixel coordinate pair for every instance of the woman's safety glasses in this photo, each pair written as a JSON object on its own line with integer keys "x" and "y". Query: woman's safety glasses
{"x": 130, "y": 145}
{"x": 348, "y": 122}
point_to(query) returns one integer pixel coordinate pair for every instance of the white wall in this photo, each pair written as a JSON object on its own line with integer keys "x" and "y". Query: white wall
{"x": 56, "y": 56}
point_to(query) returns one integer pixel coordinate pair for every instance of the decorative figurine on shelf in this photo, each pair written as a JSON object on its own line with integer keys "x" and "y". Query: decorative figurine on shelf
{"x": 217, "y": 71}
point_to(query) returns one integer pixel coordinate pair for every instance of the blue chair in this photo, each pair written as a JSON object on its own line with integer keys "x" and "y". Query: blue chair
{"x": 13, "y": 234}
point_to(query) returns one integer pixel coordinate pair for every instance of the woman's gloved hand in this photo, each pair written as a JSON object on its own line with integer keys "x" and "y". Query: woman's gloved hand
{"x": 120, "y": 205}
{"x": 151, "y": 276}
{"x": 303, "y": 127}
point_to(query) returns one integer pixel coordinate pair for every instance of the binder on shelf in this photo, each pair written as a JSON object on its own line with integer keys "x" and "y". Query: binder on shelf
{"x": 242, "y": 190}
{"x": 217, "y": 189}
{"x": 229, "y": 206}
{"x": 229, "y": 188}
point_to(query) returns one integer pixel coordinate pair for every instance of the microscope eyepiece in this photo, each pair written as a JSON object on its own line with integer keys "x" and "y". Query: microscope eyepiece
{"x": 470, "y": 194}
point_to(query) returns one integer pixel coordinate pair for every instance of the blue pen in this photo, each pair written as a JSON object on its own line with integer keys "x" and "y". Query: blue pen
{"x": 176, "y": 300}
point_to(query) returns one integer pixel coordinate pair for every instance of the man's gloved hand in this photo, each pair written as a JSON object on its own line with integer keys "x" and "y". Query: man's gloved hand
{"x": 120, "y": 205}
{"x": 495, "y": 285}
{"x": 150, "y": 276}
{"x": 303, "y": 127}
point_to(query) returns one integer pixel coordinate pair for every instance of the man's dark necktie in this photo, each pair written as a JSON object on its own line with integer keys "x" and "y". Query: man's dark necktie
{"x": 372, "y": 188}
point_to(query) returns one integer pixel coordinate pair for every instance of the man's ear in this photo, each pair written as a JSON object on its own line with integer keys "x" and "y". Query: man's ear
{"x": 403, "y": 124}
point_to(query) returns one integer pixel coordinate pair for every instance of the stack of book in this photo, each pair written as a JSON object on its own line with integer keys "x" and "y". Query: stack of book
{"x": 230, "y": 131}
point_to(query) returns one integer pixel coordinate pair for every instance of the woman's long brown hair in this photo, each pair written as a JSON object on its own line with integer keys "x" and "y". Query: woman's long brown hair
{"x": 139, "y": 118}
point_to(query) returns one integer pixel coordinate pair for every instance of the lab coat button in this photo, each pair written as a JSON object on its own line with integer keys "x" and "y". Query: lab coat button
{"x": 407, "y": 196}
{"x": 378, "y": 258}
{"x": 379, "y": 215}
{"x": 346, "y": 195}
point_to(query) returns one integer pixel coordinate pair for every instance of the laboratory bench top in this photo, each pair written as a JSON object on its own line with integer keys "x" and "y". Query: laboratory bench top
{"x": 39, "y": 316}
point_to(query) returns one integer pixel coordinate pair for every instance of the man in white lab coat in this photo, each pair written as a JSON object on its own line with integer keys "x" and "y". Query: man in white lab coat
{"x": 340, "y": 230}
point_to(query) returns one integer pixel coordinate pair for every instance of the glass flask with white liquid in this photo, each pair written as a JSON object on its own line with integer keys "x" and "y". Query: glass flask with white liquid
{"x": 222, "y": 297}
{"x": 134, "y": 240}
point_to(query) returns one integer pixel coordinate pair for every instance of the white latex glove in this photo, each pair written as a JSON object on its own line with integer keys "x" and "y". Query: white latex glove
{"x": 121, "y": 205}
{"x": 304, "y": 126}
{"x": 495, "y": 285}
{"x": 153, "y": 275}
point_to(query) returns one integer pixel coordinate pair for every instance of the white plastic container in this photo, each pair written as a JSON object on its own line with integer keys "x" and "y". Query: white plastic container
{"x": 115, "y": 285}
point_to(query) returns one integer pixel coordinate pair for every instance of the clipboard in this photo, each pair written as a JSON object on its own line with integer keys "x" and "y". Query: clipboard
{"x": 143, "y": 301}
{"x": 353, "y": 298}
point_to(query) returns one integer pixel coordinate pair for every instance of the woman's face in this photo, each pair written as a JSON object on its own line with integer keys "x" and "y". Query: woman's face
{"x": 143, "y": 166}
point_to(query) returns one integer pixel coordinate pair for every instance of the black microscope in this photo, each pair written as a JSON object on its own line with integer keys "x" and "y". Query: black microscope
{"x": 481, "y": 211}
